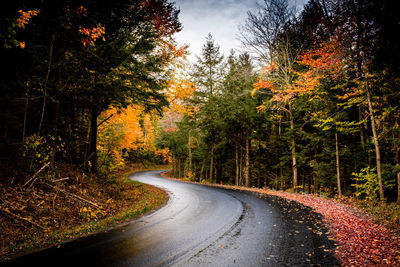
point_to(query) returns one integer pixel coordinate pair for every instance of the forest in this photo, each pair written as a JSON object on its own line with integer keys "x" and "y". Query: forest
{"x": 304, "y": 115}
{"x": 311, "y": 104}
{"x": 69, "y": 69}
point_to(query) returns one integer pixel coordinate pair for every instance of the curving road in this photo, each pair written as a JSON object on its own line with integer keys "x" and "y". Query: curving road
{"x": 202, "y": 226}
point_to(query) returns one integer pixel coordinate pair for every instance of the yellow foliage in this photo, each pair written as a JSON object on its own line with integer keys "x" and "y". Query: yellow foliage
{"x": 130, "y": 128}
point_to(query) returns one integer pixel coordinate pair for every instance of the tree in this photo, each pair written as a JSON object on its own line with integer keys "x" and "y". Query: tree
{"x": 207, "y": 74}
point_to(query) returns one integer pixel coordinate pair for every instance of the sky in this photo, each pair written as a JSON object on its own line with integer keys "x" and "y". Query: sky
{"x": 220, "y": 17}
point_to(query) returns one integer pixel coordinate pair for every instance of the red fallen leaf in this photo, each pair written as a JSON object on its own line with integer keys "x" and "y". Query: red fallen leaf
{"x": 361, "y": 241}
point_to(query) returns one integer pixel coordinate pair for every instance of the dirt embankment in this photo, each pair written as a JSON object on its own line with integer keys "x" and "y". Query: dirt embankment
{"x": 49, "y": 211}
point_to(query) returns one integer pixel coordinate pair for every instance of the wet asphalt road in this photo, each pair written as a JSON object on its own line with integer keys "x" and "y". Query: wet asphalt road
{"x": 202, "y": 226}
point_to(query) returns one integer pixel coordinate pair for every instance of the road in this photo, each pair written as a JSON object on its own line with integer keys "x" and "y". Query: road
{"x": 201, "y": 226}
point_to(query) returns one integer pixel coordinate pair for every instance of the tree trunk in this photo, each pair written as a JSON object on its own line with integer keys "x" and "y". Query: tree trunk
{"x": 377, "y": 149}
{"x": 45, "y": 83}
{"x": 398, "y": 183}
{"x": 241, "y": 166}
{"x": 93, "y": 139}
{"x": 316, "y": 185}
{"x": 190, "y": 154}
{"x": 212, "y": 163}
{"x": 294, "y": 161}
{"x": 398, "y": 172}
{"x": 202, "y": 170}
{"x": 215, "y": 172}
{"x": 237, "y": 164}
{"x": 247, "y": 162}
{"x": 337, "y": 164}
{"x": 361, "y": 131}
{"x": 173, "y": 167}
{"x": 54, "y": 136}
{"x": 179, "y": 168}
{"x": 25, "y": 115}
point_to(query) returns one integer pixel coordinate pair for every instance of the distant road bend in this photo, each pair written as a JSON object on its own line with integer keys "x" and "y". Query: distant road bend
{"x": 201, "y": 226}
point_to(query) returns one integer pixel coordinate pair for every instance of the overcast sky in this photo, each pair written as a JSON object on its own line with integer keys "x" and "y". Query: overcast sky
{"x": 220, "y": 17}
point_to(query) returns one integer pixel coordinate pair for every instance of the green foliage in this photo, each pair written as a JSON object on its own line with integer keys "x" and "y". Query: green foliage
{"x": 110, "y": 157}
{"x": 36, "y": 151}
{"x": 366, "y": 184}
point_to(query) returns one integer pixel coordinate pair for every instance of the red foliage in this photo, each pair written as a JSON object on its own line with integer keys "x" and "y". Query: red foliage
{"x": 360, "y": 240}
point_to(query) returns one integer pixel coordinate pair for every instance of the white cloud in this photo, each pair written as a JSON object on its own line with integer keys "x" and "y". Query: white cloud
{"x": 220, "y": 17}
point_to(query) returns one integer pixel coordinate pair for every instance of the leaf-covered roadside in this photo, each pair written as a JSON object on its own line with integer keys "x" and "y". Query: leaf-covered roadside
{"x": 360, "y": 239}
{"x": 41, "y": 216}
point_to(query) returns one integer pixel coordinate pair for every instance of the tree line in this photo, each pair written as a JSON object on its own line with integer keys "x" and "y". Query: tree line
{"x": 313, "y": 105}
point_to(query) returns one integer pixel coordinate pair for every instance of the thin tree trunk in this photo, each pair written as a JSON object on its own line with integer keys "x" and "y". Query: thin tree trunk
{"x": 202, "y": 170}
{"x": 173, "y": 167}
{"x": 241, "y": 168}
{"x": 398, "y": 172}
{"x": 179, "y": 168}
{"x": 337, "y": 164}
{"x": 212, "y": 163}
{"x": 361, "y": 131}
{"x": 247, "y": 163}
{"x": 25, "y": 115}
{"x": 398, "y": 183}
{"x": 237, "y": 164}
{"x": 93, "y": 138}
{"x": 45, "y": 83}
{"x": 294, "y": 161}
{"x": 377, "y": 149}
{"x": 366, "y": 142}
{"x": 54, "y": 137}
{"x": 215, "y": 172}
{"x": 315, "y": 185}
{"x": 190, "y": 154}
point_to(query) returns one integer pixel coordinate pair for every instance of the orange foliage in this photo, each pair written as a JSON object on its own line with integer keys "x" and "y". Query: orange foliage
{"x": 135, "y": 136}
{"x": 178, "y": 90}
{"x": 25, "y": 17}
{"x": 91, "y": 35}
{"x": 170, "y": 51}
{"x": 324, "y": 61}
{"x": 82, "y": 11}
{"x": 263, "y": 83}
{"x": 136, "y": 129}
